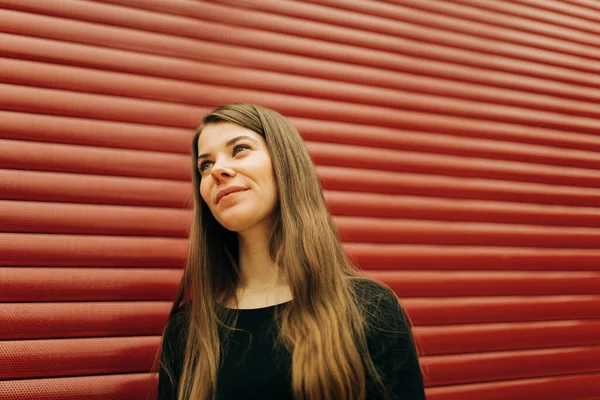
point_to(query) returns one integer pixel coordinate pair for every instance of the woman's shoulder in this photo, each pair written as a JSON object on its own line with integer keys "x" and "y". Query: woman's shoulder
{"x": 380, "y": 305}
{"x": 181, "y": 313}
{"x": 367, "y": 286}
{"x": 390, "y": 342}
{"x": 176, "y": 326}
{"x": 374, "y": 293}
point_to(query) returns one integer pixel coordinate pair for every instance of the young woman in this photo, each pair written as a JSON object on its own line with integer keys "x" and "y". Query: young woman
{"x": 269, "y": 307}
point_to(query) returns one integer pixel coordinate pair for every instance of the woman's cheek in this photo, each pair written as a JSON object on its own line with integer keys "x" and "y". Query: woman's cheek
{"x": 202, "y": 190}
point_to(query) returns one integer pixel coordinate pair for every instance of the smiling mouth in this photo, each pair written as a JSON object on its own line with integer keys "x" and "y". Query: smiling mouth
{"x": 230, "y": 194}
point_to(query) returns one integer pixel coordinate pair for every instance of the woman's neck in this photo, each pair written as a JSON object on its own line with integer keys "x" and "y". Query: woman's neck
{"x": 262, "y": 282}
{"x": 258, "y": 271}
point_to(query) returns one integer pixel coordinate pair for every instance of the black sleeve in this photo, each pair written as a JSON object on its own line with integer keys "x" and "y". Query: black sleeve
{"x": 172, "y": 357}
{"x": 392, "y": 348}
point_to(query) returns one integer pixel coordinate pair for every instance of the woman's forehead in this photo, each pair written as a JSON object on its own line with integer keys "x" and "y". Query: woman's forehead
{"x": 216, "y": 135}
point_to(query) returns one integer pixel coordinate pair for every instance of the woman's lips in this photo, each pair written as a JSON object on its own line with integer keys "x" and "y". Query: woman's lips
{"x": 230, "y": 189}
{"x": 231, "y": 195}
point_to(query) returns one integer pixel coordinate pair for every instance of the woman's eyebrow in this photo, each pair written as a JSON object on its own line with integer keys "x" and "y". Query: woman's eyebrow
{"x": 231, "y": 142}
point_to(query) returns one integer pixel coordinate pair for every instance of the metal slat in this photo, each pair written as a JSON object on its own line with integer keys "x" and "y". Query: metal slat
{"x": 28, "y": 359}
{"x": 532, "y": 13}
{"x": 472, "y": 139}
{"x": 33, "y": 156}
{"x": 432, "y": 209}
{"x": 373, "y": 256}
{"x": 414, "y": 284}
{"x": 338, "y": 155}
{"x": 73, "y": 218}
{"x": 155, "y": 89}
{"x": 88, "y": 284}
{"x": 386, "y": 182}
{"x": 576, "y": 387}
{"x": 75, "y": 188}
{"x": 379, "y": 230}
{"x": 562, "y": 9}
{"x": 485, "y": 310}
{"x": 63, "y": 29}
{"x": 105, "y": 107}
{"x": 82, "y": 319}
{"x": 98, "y": 387}
{"x": 426, "y": 12}
{"x": 433, "y": 100}
{"x": 459, "y": 81}
{"x": 459, "y": 339}
{"x": 95, "y": 251}
{"x": 404, "y": 34}
{"x": 502, "y": 366}
{"x": 95, "y": 133}
{"x": 589, "y": 4}
{"x": 371, "y": 16}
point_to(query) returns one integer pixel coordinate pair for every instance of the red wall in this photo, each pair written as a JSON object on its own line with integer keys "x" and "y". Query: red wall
{"x": 458, "y": 143}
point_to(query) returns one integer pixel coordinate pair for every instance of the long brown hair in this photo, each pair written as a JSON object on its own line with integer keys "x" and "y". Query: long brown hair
{"x": 323, "y": 327}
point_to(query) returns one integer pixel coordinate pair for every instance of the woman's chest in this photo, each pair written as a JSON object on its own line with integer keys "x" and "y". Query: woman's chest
{"x": 253, "y": 368}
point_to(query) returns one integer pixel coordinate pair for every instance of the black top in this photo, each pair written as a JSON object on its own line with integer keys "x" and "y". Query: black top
{"x": 253, "y": 369}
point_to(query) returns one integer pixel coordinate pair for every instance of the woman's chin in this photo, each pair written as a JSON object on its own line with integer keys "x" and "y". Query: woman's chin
{"x": 240, "y": 221}
{"x": 236, "y": 221}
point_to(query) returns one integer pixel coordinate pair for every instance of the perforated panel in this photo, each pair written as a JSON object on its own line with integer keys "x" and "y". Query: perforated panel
{"x": 457, "y": 142}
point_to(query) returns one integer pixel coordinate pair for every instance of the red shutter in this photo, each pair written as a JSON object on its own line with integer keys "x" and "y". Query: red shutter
{"x": 458, "y": 143}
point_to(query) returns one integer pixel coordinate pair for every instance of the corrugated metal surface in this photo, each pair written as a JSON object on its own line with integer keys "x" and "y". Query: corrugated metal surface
{"x": 457, "y": 141}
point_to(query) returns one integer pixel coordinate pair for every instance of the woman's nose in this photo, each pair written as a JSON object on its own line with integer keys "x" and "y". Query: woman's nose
{"x": 222, "y": 170}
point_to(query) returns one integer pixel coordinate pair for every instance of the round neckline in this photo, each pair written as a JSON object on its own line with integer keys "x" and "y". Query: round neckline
{"x": 255, "y": 309}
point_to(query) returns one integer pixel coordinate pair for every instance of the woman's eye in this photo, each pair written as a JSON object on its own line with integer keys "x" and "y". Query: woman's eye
{"x": 239, "y": 147}
{"x": 203, "y": 165}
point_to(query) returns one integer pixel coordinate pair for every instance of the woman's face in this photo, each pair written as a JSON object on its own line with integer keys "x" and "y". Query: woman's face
{"x": 237, "y": 178}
